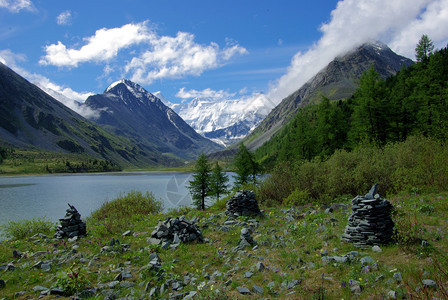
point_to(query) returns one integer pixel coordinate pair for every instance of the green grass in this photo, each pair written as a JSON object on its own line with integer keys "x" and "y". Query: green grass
{"x": 22, "y": 229}
{"x": 40, "y": 162}
{"x": 281, "y": 242}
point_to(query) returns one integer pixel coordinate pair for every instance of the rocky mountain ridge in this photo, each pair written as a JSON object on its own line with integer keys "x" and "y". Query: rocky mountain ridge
{"x": 31, "y": 119}
{"x": 128, "y": 110}
{"x": 338, "y": 80}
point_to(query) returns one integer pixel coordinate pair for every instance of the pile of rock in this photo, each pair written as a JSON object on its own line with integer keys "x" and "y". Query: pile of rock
{"x": 243, "y": 203}
{"x": 176, "y": 230}
{"x": 71, "y": 225}
{"x": 370, "y": 222}
{"x": 245, "y": 240}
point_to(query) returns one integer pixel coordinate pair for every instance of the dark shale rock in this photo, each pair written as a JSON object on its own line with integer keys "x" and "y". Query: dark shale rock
{"x": 243, "y": 203}
{"x": 370, "y": 222}
{"x": 175, "y": 231}
{"x": 71, "y": 225}
{"x": 243, "y": 290}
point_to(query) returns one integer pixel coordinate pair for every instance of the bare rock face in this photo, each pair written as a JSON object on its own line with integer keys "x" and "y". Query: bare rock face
{"x": 370, "y": 222}
{"x": 71, "y": 225}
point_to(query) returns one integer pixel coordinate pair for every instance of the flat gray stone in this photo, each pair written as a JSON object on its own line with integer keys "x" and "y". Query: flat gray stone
{"x": 398, "y": 277}
{"x": 377, "y": 249}
{"x": 257, "y": 290}
{"x": 367, "y": 260}
{"x": 429, "y": 283}
{"x": 243, "y": 290}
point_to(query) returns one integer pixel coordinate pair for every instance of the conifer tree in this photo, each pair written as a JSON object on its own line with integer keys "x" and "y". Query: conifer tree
{"x": 200, "y": 185}
{"x": 219, "y": 180}
{"x": 246, "y": 166}
{"x": 424, "y": 48}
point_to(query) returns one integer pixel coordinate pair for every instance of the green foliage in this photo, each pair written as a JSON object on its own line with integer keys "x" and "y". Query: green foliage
{"x": 17, "y": 230}
{"x": 38, "y": 162}
{"x": 407, "y": 231}
{"x": 200, "y": 185}
{"x": 413, "y": 102}
{"x": 418, "y": 162}
{"x": 298, "y": 198}
{"x": 246, "y": 166}
{"x": 424, "y": 48}
{"x": 72, "y": 280}
{"x": 218, "y": 182}
{"x": 5, "y": 153}
{"x": 116, "y": 214}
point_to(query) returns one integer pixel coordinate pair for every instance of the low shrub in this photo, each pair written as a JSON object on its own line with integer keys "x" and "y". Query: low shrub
{"x": 419, "y": 162}
{"x": 116, "y": 214}
{"x": 17, "y": 230}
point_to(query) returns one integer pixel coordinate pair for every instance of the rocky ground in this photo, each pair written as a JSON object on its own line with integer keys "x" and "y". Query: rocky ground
{"x": 288, "y": 253}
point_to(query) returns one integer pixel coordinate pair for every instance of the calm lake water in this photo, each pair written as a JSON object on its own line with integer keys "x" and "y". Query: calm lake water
{"x": 28, "y": 197}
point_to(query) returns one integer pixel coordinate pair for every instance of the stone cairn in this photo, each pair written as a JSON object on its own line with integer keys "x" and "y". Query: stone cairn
{"x": 71, "y": 225}
{"x": 245, "y": 240}
{"x": 243, "y": 203}
{"x": 370, "y": 222}
{"x": 174, "y": 231}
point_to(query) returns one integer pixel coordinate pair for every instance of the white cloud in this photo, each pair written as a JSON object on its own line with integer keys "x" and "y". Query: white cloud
{"x": 9, "y": 58}
{"x": 433, "y": 21}
{"x": 207, "y": 93}
{"x": 65, "y": 18}
{"x": 102, "y": 46}
{"x": 398, "y": 23}
{"x": 65, "y": 95}
{"x": 16, "y": 6}
{"x": 174, "y": 57}
{"x": 167, "y": 57}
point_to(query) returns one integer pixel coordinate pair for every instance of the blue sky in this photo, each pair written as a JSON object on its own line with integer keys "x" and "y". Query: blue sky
{"x": 220, "y": 49}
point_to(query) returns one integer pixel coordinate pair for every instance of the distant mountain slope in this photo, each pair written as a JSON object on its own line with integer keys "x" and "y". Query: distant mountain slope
{"x": 224, "y": 121}
{"x": 128, "y": 110}
{"x": 30, "y": 118}
{"x": 337, "y": 81}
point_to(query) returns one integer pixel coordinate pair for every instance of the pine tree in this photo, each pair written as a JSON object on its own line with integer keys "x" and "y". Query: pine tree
{"x": 219, "y": 180}
{"x": 200, "y": 185}
{"x": 246, "y": 166}
{"x": 424, "y": 48}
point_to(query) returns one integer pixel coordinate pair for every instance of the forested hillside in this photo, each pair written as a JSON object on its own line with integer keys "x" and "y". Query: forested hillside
{"x": 413, "y": 102}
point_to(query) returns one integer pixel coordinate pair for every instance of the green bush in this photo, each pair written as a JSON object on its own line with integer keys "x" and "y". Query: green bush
{"x": 17, "y": 230}
{"x": 298, "y": 198}
{"x": 116, "y": 214}
{"x": 72, "y": 281}
{"x": 417, "y": 162}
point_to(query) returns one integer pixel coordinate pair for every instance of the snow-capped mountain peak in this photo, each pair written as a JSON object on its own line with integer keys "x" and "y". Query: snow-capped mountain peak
{"x": 224, "y": 121}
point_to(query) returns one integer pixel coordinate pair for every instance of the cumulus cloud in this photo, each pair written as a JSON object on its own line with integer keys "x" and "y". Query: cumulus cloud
{"x": 174, "y": 57}
{"x": 16, "y": 6}
{"x": 353, "y": 22}
{"x": 166, "y": 57}
{"x": 433, "y": 21}
{"x": 65, "y": 18}
{"x": 207, "y": 93}
{"x": 63, "y": 94}
{"x": 103, "y": 46}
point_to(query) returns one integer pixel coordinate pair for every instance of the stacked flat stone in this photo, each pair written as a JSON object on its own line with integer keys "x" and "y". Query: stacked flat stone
{"x": 71, "y": 225}
{"x": 243, "y": 203}
{"x": 176, "y": 230}
{"x": 370, "y": 222}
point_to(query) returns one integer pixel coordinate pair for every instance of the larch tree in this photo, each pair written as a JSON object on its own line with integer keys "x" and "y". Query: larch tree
{"x": 200, "y": 185}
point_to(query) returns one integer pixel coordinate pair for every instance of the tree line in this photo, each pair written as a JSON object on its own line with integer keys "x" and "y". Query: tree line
{"x": 413, "y": 102}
